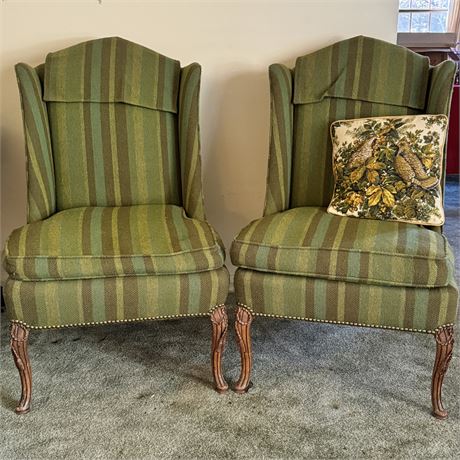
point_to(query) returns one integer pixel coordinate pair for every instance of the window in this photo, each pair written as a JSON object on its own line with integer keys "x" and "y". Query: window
{"x": 423, "y": 15}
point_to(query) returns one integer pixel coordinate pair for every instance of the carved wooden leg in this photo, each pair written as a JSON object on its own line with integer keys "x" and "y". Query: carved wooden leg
{"x": 19, "y": 337}
{"x": 219, "y": 321}
{"x": 243, "y": 332}
{"x": 444, "y": 346}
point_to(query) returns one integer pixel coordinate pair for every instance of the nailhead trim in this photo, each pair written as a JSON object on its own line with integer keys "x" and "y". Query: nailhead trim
{"x": 215, "y": 308}
{"x": 116, "y": 321}
{"x": 266, "y": 315}
{"x": 315, "y": 320}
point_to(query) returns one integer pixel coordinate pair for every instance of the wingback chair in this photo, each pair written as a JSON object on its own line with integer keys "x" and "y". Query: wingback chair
{"x": 116, "y": 228}
{"x": 298, "y": 261}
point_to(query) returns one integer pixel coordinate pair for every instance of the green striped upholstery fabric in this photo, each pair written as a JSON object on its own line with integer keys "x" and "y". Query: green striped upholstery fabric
{"x": 113, "y": 117}
{"x": 364, "y": 69}
{"x": 112, "y": 111}
{"x": 112, "y": 69}
{"x": 281, "y": 136}
{"x": 113, "y": 155}
{"x": 103, "y": 242}
{"x": 310, "y": 242}
{"x": 315, "y": 299}
{"x": 189, "y": 141}
{"x": 45, "y": 304}
{"x": 440, "y": 97}
{"x": 40, "y": 178}
{"x": 440, "y": 88}
{"x": 356, "y": 78}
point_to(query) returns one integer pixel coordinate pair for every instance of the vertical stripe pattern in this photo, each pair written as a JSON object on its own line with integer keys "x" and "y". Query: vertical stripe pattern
{"x": 406, "y": 308}
{"x": 112, "y": 70}
{"x": 112, "y": 241}
{"x": 189, "y": 141}
{"x": 112, "y": 113}
{"x": 46, "y": 304}
{"x": 440, "y": 96}
{"x": 278, "y": 190}
{"x": 310, "y": 242}
{"x": 365, "y": 69}
{"x": 103, "y": 151}
{"x": 41, "y": 194}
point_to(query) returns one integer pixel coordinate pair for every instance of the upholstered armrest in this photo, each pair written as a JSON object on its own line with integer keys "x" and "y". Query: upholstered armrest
{"x": 277, "y": 195}
{"x": 189, "y": 141}
{"x": 41, "y": 197}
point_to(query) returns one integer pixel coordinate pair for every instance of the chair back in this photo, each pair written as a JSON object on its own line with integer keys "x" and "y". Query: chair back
{"x": 355, "y": 78}
{"x": 112, "y": 107}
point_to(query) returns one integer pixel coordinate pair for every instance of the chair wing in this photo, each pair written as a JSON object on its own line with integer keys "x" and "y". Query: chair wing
{"x": 440, "y": 96}
{"x": 440, "y": 88}
{"x": 40, "y": 166}
{"x": 281, "y": 136}
{"x": 189, "y": 141}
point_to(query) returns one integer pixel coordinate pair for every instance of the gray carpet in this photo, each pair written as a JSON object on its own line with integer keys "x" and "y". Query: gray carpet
{"x": 144, "y": 390}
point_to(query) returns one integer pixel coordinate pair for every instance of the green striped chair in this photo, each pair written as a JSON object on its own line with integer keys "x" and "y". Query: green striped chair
{"x": 116, "y": 228}
{"x": 299, "y": 262}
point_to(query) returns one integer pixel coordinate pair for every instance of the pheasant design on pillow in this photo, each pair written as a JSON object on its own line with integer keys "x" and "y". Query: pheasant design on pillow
{"x": 389, "y": 168}
{"x": 410, "y": 168}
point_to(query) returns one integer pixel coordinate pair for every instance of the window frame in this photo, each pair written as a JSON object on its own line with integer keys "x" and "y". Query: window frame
{"x": 423, "y": 10}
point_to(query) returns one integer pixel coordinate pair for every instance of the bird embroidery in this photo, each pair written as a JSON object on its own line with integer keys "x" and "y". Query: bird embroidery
{"x": 389, "y": 168}
{"x": 362, "y": 154}
{"x": 411, "y": 170}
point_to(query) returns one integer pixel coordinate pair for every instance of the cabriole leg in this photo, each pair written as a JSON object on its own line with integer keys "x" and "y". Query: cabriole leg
{"x": 444, "y": 346}
{"x": 219, "y": 322}
{"x": 19, "y": 337}
{"x": 243, "y": 333}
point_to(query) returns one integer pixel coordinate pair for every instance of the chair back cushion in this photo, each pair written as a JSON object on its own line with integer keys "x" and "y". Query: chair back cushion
{"x": 355, "y": 78}
{"x": 112, "y": 108}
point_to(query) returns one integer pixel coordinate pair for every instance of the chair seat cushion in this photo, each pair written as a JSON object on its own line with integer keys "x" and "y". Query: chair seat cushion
{"x": 100, "y": 242}
{"x": 307, "y": 241}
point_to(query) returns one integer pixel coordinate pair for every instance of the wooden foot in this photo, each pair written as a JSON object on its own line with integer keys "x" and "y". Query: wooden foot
{"x": 219, "y": 322}
{"x": 19, "y": 337}
{"x": 444, "y": 346}
{"x": 243, "y": 332}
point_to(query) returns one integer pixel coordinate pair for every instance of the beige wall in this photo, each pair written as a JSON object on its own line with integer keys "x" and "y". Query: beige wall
{"x": 233, "y": 41}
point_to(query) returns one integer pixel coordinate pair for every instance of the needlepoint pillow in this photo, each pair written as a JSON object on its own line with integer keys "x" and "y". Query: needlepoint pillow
{"x": 389, "y": 168}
